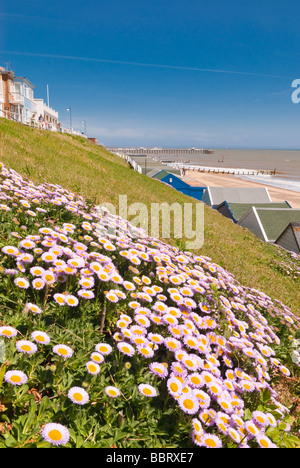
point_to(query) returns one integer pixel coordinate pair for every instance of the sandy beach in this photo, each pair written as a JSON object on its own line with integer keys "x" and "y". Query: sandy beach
{"x": 202, "y": 179}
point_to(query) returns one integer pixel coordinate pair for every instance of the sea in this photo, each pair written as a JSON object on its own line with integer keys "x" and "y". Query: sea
{"x": 286, "y": 163}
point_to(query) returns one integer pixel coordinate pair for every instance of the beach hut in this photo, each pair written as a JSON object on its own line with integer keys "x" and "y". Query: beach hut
{"x": 153, "y": 172}
{"x": 178, "y": 184}
{"x": 162, "y": 171}
{"x": 269, "y": 223}
{"x": 235, "y": 211}
{"x": 214, "y": 196}
{"x": 289, "y": 239}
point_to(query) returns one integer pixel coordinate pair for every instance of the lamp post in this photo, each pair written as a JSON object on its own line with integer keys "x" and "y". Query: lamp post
{"x": 70, "y": 110}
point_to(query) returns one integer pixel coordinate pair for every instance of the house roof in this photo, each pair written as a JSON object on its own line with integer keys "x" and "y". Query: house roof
{"x": 295, "y": 228}
{"x": 275, "y": 220}
{"x": 22, "y": 78}
{"x": 153, "y": 172}
{"x": 238, "y": 210}
{"x": 9, "y": 73}
{"x": 161, "y": 174}
{"x": 176, "y": 181}
{"x": 238, "y": 195}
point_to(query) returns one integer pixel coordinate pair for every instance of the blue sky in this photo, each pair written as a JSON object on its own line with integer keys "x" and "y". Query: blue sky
{"x": 162, "y": 72}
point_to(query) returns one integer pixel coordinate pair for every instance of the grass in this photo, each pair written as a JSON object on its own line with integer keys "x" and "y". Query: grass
{"x": 90, "y": 170}
{"x": 45, "y": 317}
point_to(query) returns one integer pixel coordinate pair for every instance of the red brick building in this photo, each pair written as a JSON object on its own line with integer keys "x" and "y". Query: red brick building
{"x": 7, "y": 108}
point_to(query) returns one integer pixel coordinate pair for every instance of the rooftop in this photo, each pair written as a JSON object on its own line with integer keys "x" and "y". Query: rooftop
{"x": 238, "y": 210}
{"x": 22, "y": 78}
{"x": 276, "y": 220}
{"x": 295, "y": 227}
{"x": 161, "y": 174}
{"x": 249, "y": 195}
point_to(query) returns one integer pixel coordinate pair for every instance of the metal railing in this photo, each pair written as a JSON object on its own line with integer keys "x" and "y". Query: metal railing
{"x": 18, "y": 117}
{"x": 18, "y": 96}
{"x": 42, "y": 125}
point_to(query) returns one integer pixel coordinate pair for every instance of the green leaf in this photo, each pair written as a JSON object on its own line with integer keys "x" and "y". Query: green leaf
{"x": 10, "y": 442}
{"x": 43, "y": 444}
{"x": 28, "y": 423}
{"x": 265, "y": 395}
{"x": 45, "y": 403}
{"x": 291, "y": 441}
{"x": 2, "y": 372}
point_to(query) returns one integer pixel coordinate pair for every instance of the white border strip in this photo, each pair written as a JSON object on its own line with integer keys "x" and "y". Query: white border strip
{"x": 260, "y": 225}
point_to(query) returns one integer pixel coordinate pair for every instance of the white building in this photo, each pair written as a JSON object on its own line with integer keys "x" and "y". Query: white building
{"x": 17, "y": 102}
{"x": 45, "y": 116}
{"x": 22, "y": 99}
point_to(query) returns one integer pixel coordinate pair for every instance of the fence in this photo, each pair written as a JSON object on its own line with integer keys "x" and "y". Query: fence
{"x": 132, "y": 163}
{"x": 42, "y": 125}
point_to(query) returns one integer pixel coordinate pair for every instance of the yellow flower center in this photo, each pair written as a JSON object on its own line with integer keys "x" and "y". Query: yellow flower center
{"x": 174, "y": 387}
{"x": 77, "y": 396}
{"x": 172, "y": 345}
{"x": 26, "y": 347}
{"x": 40, "y": 338}
{"x": 189, "y": 363}
{"x": 15, "y": 378}
{"x": 188, "y": 404}
{"x": 55, "y": 435}
{"x": 210, "y": 443}
{"x": 139, "y": 341}
{"x": 264, "y": 443}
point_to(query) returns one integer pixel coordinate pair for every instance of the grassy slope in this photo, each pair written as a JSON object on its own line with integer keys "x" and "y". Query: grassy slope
{"x": 87, "y": 169}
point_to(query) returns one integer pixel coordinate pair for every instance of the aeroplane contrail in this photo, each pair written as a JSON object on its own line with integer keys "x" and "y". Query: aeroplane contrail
{"x": 139, "y": 64}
